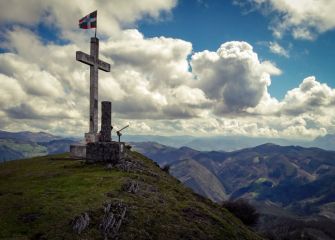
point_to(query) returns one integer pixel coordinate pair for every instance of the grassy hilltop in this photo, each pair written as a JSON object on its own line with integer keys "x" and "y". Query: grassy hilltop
{"x": 40, "y": 198}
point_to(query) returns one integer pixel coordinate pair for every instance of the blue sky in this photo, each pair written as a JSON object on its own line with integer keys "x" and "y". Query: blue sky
{"x": 177, "y": 67}
{"x": 208, "y": 24}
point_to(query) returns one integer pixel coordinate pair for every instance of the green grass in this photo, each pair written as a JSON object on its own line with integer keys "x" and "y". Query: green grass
{"x": 40, "y": 197}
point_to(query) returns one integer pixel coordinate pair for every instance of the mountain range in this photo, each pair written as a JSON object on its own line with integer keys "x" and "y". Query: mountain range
{"x": 17, "y": 145}
{"x": 231, "y": 143}
{"x": 286, "y": 183}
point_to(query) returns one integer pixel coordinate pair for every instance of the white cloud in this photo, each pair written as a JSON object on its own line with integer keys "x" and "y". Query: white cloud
{"x": 233, "y": 76}
{"x": 10, "y": 91}
{"x": 112, "y": 14}
{"x": 163, "y": 61}
{"x": 153, "y": 85}
{"x": 152, "y": 88}
{"x": 311, "y": 96}
{"x": 304, "y": 19}
{"x": 276, "y": 48}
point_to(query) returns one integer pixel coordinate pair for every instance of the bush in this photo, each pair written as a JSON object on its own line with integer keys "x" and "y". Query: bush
{"x": 166, "y": 168}
{"x": 243, "y": 210}
{"x": 128, "y": 147}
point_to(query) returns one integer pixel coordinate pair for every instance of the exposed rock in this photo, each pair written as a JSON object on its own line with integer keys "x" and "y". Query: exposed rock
{"x": 127, "y": 165}
{"x": 112, "y": 219}
{"x": 80, "y": 223}
{"x": 131, "y": 186}
{"x": 132, "y": 165}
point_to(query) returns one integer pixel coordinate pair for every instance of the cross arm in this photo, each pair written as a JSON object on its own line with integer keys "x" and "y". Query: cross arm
{"x": 89, "y": 60}
{"x": 84, "y": 58}
{"x": 104, "y": 66}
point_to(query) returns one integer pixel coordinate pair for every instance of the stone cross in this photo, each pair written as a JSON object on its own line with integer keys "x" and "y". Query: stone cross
{"x": 95, "y": 64}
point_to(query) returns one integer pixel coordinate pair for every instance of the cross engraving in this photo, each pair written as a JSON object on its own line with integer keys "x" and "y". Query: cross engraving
{"x": 95, "y": 64}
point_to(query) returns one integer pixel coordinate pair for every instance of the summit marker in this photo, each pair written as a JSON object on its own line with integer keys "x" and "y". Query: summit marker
{"x": 95, "y": 65}
{"x": 98, "y": 147}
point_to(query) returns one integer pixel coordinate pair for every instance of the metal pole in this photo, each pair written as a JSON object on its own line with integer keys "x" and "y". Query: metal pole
{"x": 96, "y": 26}
{"x": 119, "y": 146}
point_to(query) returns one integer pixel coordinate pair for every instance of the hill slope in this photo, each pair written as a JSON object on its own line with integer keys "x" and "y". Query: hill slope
{"x": 199, "y": 178}
{"x": 41, "y": 197}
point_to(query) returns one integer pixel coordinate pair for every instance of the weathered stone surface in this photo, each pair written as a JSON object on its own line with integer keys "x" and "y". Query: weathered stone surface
{"x": 94, "y": 86}
{"x": 107, "y": 152}
{"x": 91, "y": 137}
{"x": 131, "y": 186}
{"x": 80, "y": 223}
{"x": 95, "y": 64}
{"x": 106, "y": 121}
{"x": 127, "y": 164}
{"x": 112, "y": 219}
{"x": 78, "y": 151}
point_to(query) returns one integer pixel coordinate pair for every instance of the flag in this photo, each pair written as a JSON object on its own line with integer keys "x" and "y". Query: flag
{"x": 89, "y": 21}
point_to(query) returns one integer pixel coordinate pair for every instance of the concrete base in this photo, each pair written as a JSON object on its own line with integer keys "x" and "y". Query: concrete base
{"x": 91, "y": 137}
{"x": 107, "y": 152}
{"x": 78, "y": 151}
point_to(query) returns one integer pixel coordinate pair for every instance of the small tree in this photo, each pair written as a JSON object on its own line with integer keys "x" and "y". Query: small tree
{"x": 243, "y": 210}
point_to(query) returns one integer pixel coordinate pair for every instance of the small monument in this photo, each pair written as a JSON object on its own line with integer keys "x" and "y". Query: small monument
{"x": 98, "y": 147}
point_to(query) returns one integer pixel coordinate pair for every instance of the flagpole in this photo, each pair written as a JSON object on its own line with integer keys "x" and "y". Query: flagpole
{"x": 96, "y": 26}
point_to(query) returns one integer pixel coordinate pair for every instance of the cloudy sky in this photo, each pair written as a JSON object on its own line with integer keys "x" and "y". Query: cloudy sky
{"x": 188, "y": 67}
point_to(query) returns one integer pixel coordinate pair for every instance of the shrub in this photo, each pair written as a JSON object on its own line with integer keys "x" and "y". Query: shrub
{"x": 166, "y": 168}
{"x": 243, "y": 210}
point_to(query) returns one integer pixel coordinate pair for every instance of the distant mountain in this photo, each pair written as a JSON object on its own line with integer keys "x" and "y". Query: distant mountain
{"x": 28, "y": 144}
{"x": 163, "y": 155}
{"x": 58, "y": 146}
{"x": 215, "y": 143}
{"x": 29, "y": 136}
{"x": 7, "y": 153}
{"x": 173, "y": 141}
{"x": 326, "y": 142}
{"x": 210, "y": 143}
{"x": 16, "y": 149}
{"x": 265, "y": 171}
